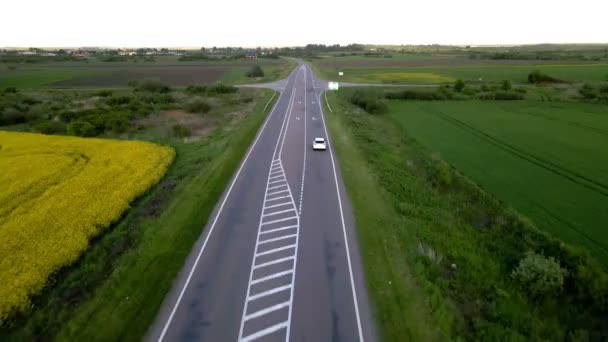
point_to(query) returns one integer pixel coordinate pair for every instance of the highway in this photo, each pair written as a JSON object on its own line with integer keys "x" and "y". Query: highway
{"x": 278, "y": 259}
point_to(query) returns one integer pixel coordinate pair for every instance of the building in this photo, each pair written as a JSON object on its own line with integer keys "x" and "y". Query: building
{"x": 80, "y": 53}
{"x": 27, "y": 53}
{"x": 251, "y": 55}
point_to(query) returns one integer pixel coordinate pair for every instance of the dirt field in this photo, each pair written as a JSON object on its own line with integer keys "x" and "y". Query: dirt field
{"x": 171, "y": 75}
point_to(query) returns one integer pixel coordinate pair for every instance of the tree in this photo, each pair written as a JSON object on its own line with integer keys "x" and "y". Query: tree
{"x": 539, "y": 275}
{"x": 505, "y": 85}
{"x": 82, "y": 129}
{"x": 587, "y": 91}
{"x": 459, "y": 85}
{"x": 255, "y": 71}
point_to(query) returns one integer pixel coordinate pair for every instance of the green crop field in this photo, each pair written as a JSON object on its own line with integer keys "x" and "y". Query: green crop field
{"x": 549, "y": 161}
{"x": 435, "y": 69}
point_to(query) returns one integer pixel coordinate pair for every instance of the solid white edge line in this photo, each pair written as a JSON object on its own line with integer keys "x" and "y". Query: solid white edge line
{"x": 269, "y": 292}
{"x": 350, "y": 269}
{"x": 264, "y": 332}
{"x": 198, "y": 257}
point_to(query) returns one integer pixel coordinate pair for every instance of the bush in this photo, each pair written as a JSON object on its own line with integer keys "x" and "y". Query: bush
{"x": 459, "y": 85}
{"x": 368, "y": 101}
{"x": 194, "y": 90}
{"x": 181, "y": 131}
{"x": 255, "y": 71}
{"x": 505, "y": 85}
{"x": 505, "y": 95}
{"x": 197, "y": 106}
{"x": 539, "y": 275}
{"x": 152, "y": 86}
{"x": 115, "y": 101}
{"x": 222, "y": 89}
{"x": 82, "y": 129}
{"x": 536, "y": 77}
{"x": 103, "y": 93}
{"x": 521, "y": 90}
{"x": 50, "y": 127}
{"x": 588, "y": 91}
{"x": 9, "y": 90}
{"x": 415, "y": 95}
{"x": 470, "y": 91}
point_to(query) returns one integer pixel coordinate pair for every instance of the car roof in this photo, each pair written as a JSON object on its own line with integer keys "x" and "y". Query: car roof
{"x": 321, "y": 139}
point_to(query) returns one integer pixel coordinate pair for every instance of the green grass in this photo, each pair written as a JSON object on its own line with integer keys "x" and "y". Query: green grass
{"x": 548, "y": 160}
{"x": 109, "y": 295}
{"x": 438, "y": 250}
{"x": 485, "y": 73}
{"x": 39, "y": 78}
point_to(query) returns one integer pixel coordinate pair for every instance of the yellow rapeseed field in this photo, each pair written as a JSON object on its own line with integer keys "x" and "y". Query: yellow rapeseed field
{"x": 55, "y": 194}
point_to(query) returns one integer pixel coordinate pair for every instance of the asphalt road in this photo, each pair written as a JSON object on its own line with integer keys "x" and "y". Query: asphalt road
{"x": 278, "y": 260}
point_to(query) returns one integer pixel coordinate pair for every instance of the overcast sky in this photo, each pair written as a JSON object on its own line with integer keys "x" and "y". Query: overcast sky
{"x": 193, "y": 23}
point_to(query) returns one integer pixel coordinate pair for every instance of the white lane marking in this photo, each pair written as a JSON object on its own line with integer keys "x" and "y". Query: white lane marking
{"x": 279, "y": 220}
{"x": 200, "y": 253}
{"x": 285, "y": 132}
{"x": 272, "y": 276}
{"x": 275, "y": 162}
{"x": 279, "y": 176}
{"x": 269, "y": 292}
{"x": 325, "y": 93}
{"x": 278, "y": 212}
{"x": 276, "y": 198}
{"x": 274, "y": 262}
{"x": 274, "y": 250}
{"x": 267, "y": 310}
{"x": 305, "y": 149}
{"x": 267, "y": 103}
{"x": 265, "y": 332}
{"x": 276, "y": 205}
{"x": 278, "y": 238}
{"x": 276, "y": 172}
{"x": 277, "y": 229}
{"x": 276, "y": 192}
{"x": 350, "y": 268}
{"x": 279, "y": 181}
{"x": 276, "y": 187}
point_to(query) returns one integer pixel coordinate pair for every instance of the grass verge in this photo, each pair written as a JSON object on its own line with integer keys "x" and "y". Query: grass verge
{"x": 114, "y": 291}
{"x": 439, "y": 251}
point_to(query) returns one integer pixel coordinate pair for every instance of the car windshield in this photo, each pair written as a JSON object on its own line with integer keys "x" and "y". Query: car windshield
{"x": 319, "y": 141}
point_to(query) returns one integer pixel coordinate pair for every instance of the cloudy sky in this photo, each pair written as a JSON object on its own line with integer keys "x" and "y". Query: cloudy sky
{"x": 192, "y": 23}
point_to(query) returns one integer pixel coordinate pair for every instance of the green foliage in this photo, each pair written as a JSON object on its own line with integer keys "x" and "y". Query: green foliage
{"x": 103, "y": 93}
{"x": 255, "y": 71}
{"x": 368, "y": 101}
{"x": 416, "y": 95}
{"x": 152, "y": 86}
{"x": 459, "y": 85}
{"x": 196, "y": 90}
{"x": 501, "y": 96}
{"x": 50, "y": 127}
{"x": 220, "y": 88}
{"x": 197, "y": 106}
{"x": 539, "y": 275}
{"x": 180, "y": 131}
{"x": 8, "y": 90}
{"x": 505, "y": 85}
{"x": 469, "y": 292}
{"x": 536, "y": 77}
{"x": 82, "y": 128}
{"x": 588, "y": 91}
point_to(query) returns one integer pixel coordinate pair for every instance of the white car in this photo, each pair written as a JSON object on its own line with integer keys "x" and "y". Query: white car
{"x": 319, "y": 144}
